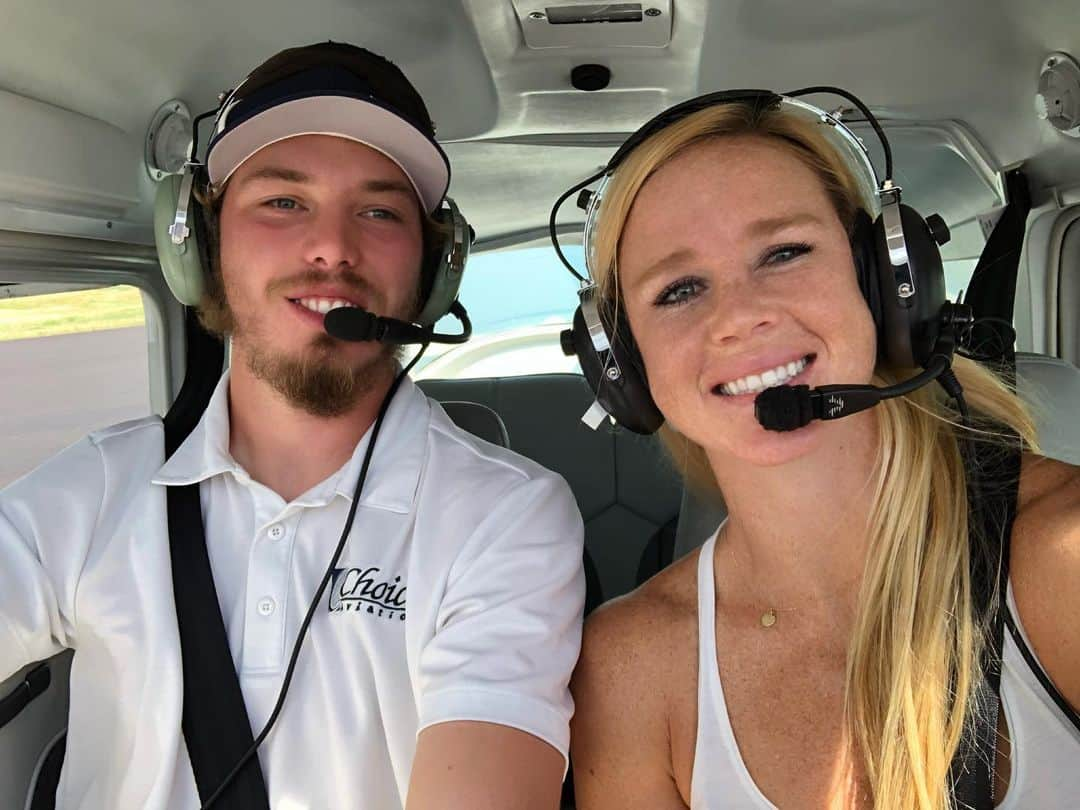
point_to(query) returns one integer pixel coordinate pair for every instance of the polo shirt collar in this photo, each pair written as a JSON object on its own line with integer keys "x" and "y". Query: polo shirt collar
{"x": 392, "y": 479}
{"x": 396, "y": 465}
{"x": 205, "y": 451}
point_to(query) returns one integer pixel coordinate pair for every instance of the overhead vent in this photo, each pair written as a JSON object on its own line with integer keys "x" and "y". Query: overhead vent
{"x": 578, "y": 24}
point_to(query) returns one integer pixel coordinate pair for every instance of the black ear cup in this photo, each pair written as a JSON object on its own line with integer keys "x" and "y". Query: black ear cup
{"x": 911, "y": 319}
{"x": 908, "y": 324}
{"x": 864, "y": 253}
{"x": 615, "y": 373}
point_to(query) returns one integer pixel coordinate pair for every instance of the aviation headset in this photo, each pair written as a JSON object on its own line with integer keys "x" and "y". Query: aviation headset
{"x": 896, "y": 258}
{"x": 184, "y": 236}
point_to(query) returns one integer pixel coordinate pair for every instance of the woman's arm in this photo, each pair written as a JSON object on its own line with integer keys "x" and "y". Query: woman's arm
{"x": 619, "y": 738}
{"x": 1045, "y": 568}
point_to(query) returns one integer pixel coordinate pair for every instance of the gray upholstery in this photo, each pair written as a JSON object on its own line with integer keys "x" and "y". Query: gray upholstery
{"x": 479, "y": 420}
{"x": 624, "y": 484}
{"x": 1051, "y": 385}
{"x": 699, "y": 515}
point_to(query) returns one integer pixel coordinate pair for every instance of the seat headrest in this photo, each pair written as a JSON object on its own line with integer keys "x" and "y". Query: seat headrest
{"x": 479, "y": 420}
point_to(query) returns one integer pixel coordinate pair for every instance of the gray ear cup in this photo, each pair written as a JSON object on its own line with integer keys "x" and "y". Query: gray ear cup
{"x": 450, "y": 266}
{"x": 178, "y": 246}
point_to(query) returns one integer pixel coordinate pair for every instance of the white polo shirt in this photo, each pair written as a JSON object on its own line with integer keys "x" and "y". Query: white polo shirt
{"x": 458, "y": 597}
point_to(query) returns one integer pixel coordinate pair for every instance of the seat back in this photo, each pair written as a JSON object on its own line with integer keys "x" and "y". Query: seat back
{"x": 1052, "y": 387}
{"x": 479, "y": 420}
{"x": 625, "y": 487}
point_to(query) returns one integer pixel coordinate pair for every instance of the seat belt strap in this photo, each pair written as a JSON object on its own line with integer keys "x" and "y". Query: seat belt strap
{"x": 215, "y": 720}
{"x": 992, "y": 289}
{"x": 215, "y": 723}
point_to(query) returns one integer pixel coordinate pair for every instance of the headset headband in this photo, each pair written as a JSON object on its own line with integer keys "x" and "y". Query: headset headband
{"x": 877, "y": 193}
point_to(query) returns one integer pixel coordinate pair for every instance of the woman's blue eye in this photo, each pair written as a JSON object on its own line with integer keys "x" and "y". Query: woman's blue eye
{"x": 786, "y": 253}
{"x": 681, "y": 292}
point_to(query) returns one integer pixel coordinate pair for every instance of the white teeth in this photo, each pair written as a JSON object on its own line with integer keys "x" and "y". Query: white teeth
{"x": 322, "y": 305}
{"x": 753, "y": 383}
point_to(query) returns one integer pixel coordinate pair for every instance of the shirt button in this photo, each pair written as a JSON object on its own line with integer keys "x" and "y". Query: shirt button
{"x": 266, "y": 606}
{"x": 276, "y": 532}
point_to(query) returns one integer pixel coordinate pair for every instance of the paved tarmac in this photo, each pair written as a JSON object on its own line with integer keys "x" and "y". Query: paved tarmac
{"x": 55, "y": 390}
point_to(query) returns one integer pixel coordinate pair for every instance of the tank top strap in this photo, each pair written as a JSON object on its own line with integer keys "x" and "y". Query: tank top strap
{"x": 706, "y": 608}
{"x": 719, "y": 777}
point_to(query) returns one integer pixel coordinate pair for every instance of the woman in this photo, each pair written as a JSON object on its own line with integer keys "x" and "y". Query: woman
{"x": 821, "y": 650}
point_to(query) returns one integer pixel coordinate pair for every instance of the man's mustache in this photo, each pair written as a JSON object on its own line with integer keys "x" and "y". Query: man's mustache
{"x": 350, "y": 279}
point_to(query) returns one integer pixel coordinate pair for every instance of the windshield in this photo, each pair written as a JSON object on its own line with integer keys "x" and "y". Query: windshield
{"x": 518, "y": 299}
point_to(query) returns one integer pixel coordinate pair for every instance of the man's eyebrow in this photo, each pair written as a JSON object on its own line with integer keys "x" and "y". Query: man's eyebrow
{"x": 276, "y": 173}
{"x": 293, "y": 176}
{"x": 400, "y": 186}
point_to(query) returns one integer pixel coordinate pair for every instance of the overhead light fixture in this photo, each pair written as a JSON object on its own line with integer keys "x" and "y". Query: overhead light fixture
{"x": 1058, "y": 97}
{"x": 581, "y": 24}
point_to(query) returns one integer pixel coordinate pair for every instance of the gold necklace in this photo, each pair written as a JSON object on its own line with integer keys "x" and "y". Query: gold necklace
{"x": 769, "y": 617}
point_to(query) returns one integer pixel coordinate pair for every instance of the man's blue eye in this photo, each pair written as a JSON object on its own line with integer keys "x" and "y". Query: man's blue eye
{"x": 681, "y": 292}
{"x": 382, "y": 213}
{"x": 283, "y": 204}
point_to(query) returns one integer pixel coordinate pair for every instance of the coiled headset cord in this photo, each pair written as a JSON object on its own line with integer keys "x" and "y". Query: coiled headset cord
{"x": 322, "y": 585}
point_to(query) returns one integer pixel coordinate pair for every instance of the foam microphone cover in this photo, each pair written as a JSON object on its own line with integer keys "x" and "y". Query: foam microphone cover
{"x": 351, "y": 323}
{"x": 784, "y": 407}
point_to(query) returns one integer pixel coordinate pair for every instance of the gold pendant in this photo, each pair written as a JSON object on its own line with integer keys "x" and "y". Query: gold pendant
{"x": 768, "y": 618}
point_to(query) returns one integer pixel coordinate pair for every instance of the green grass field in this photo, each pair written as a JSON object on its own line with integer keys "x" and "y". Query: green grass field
{"x": 66, "y": 312}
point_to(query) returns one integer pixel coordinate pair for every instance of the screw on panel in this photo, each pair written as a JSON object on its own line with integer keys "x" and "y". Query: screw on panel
{"x": 537, "y": 15}
{"x": 653, "y": 12}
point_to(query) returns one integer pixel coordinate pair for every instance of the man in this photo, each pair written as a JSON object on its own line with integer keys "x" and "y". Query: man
{"x": 434, "y": 672}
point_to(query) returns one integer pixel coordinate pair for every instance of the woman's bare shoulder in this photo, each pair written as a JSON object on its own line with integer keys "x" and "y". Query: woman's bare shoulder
{"x": 654, "y": 616}
{"x": 636, "y": 646}
{"x": 637, "y": 668}
{"x": 1045, "y": 566}
{"x": 1047, "y": 528}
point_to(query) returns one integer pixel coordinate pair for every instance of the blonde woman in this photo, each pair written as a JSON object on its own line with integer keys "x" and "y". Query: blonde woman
{"x": 823, "y": 648}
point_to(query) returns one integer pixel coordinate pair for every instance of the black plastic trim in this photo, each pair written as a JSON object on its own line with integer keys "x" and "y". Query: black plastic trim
{"x": 34, "y": 684}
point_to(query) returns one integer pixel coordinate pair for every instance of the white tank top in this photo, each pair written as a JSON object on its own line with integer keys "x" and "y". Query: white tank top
{"x": 1045, "y": 745}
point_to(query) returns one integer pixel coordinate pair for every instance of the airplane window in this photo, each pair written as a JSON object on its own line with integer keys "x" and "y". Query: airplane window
{"x": 958, "y": 275}
{"x": 519, "y": 300}
{"x": 71, "y": 362}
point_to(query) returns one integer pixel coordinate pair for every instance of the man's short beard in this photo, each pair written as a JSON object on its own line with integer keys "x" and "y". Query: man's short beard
{"x": 316, "y": 382}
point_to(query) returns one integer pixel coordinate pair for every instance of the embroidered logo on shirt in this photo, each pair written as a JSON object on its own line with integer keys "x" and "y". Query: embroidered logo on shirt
{"x": 367, "y": 590}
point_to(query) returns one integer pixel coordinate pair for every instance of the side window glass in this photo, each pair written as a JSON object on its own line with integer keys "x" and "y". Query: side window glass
{"x": 70, "y": 362}
{"x": 958, "y": 275}
{"x": 519, "y": 300}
